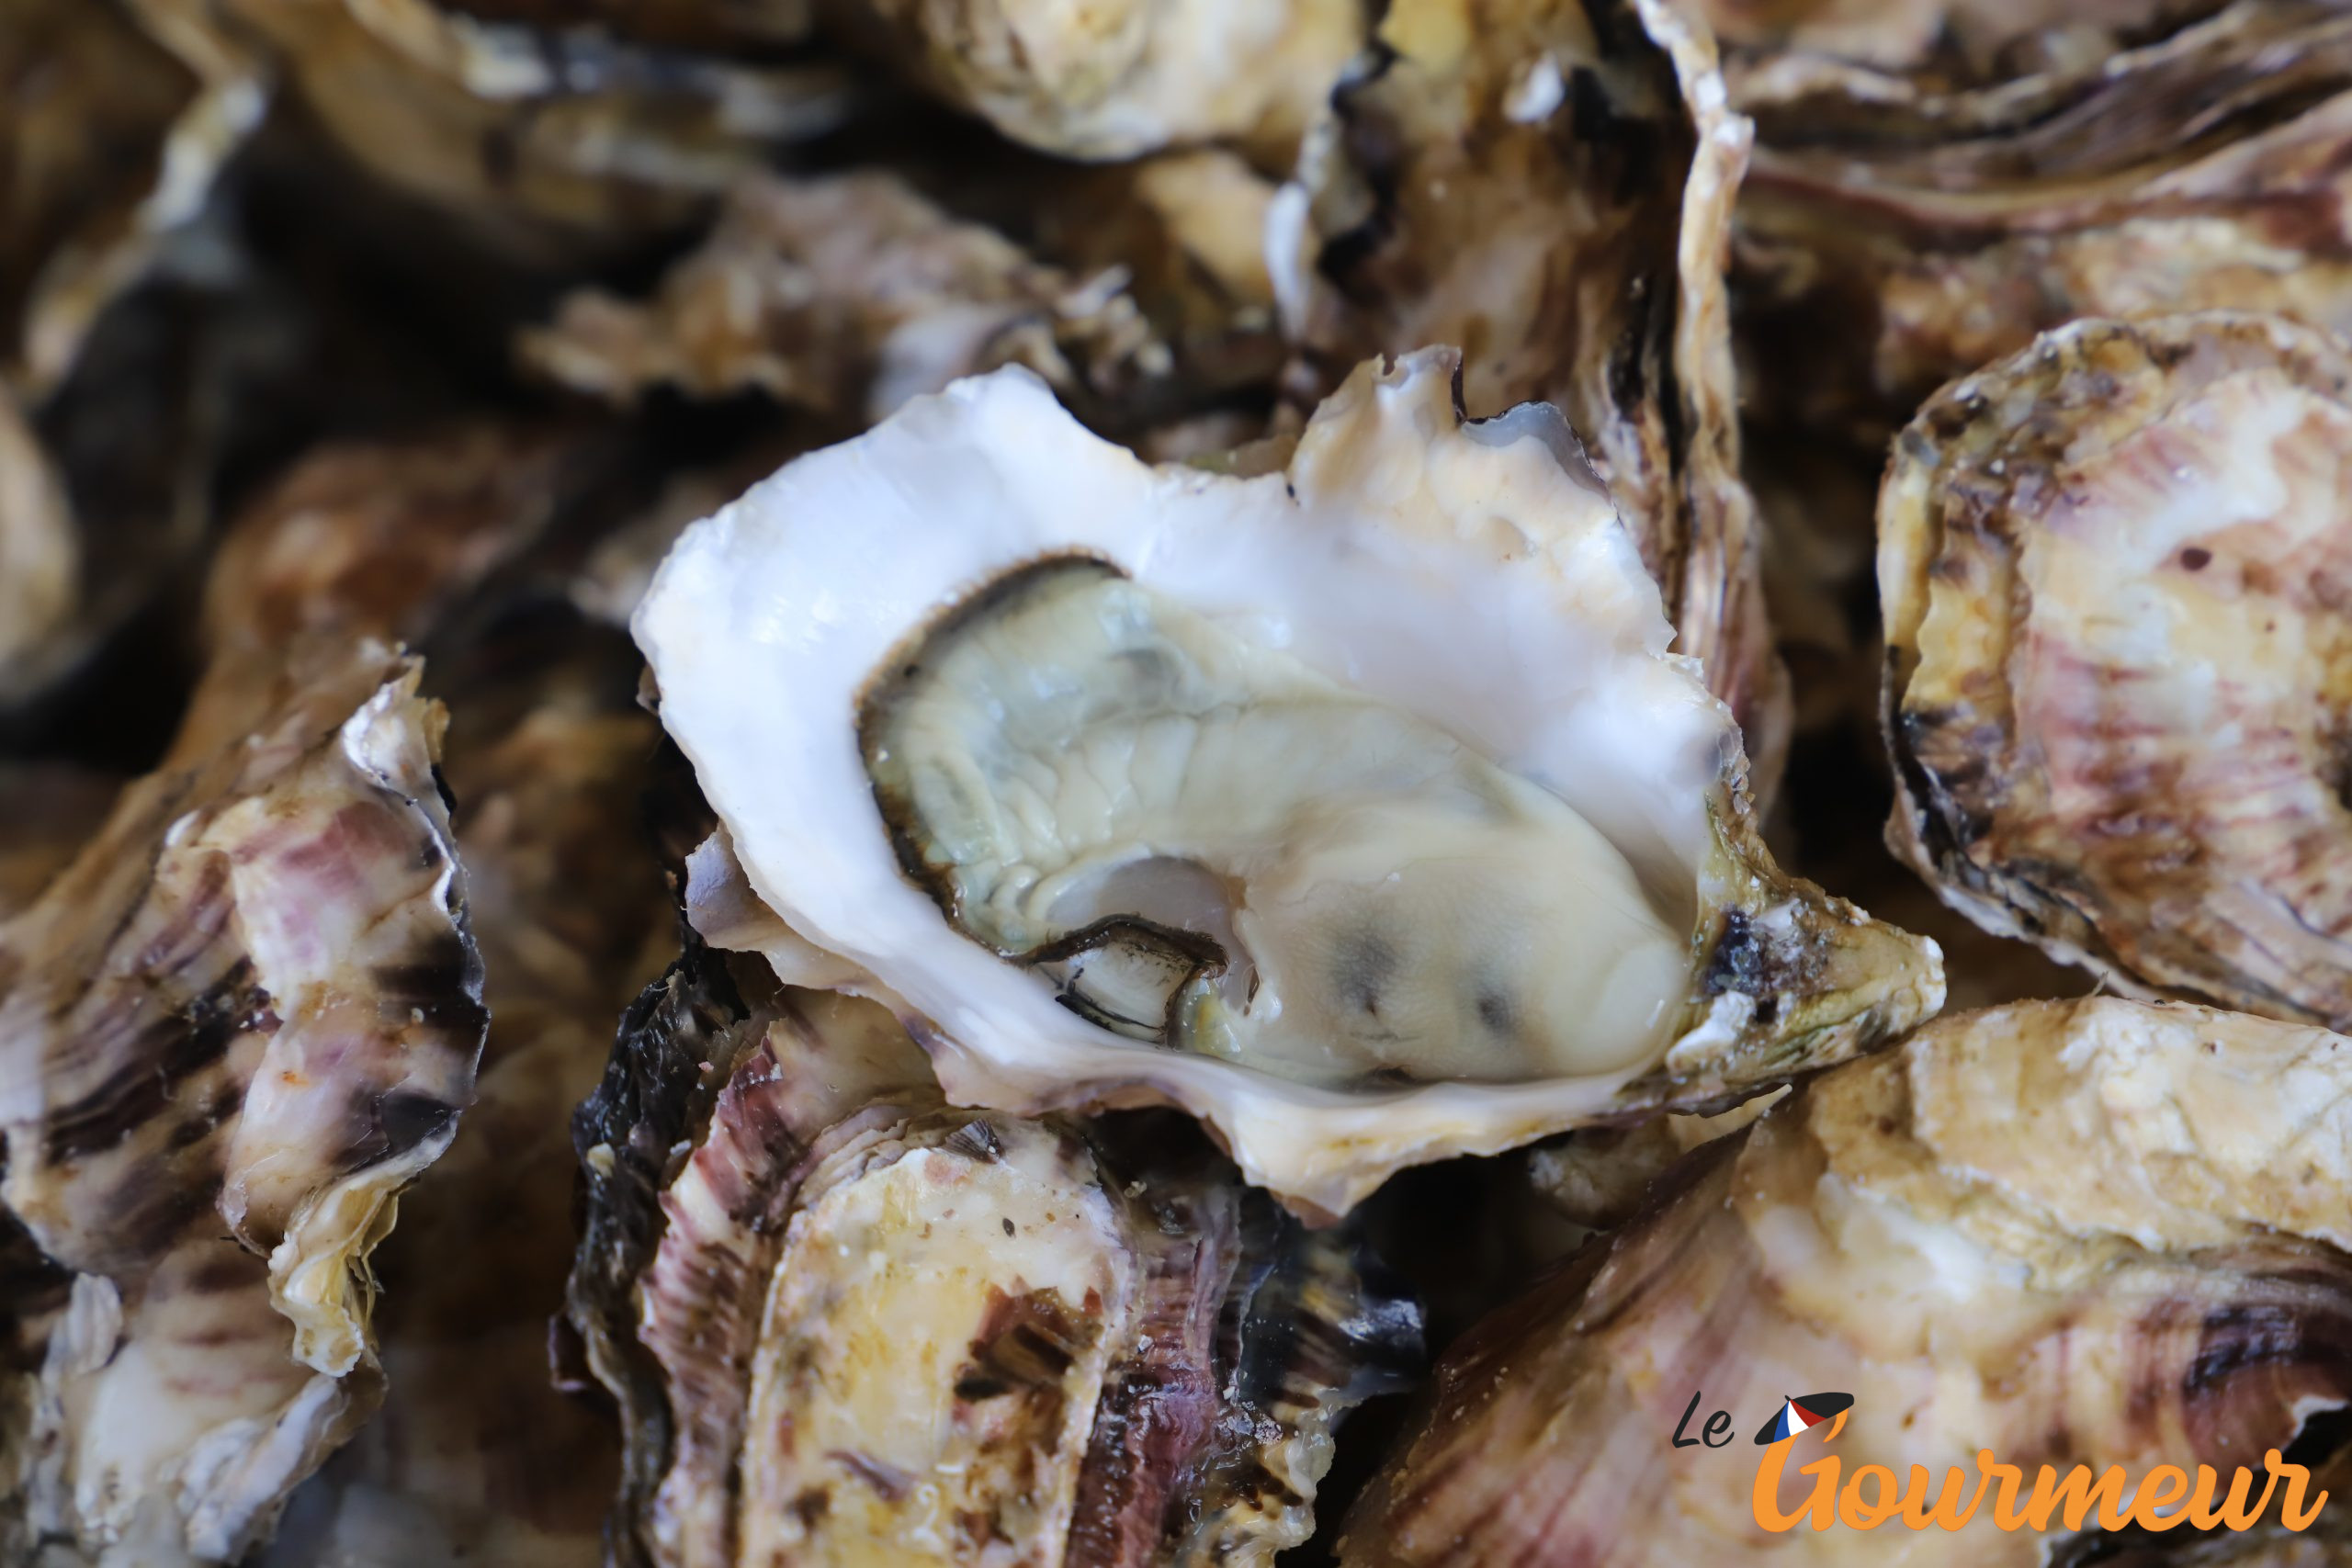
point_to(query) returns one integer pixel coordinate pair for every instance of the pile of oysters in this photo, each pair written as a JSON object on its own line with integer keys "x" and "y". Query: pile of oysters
{"x": 883, "y": 782}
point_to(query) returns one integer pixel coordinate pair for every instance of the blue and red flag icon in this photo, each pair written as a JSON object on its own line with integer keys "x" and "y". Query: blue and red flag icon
{"x": 1796, "y": 1415}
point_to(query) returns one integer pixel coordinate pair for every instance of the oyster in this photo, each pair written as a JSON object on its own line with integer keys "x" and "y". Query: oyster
{"x": 1958, "y": 41}
{"x": 2112, "y": 680}
{"x": 544, "y": 140}
{"x": 1124, "y": 77}
{"x": 2089, "y": 1232}
{"x": 1357, "y": 808}
{"x": 848, "y": 1324}
{"x": 230, "y": 1032}
{"x": 38, "y": 556}
{"x": 112, "y": 141}
{"x": 844, "y": 294}
{"x": 473, "y": 1455}
{"x": 1549, "y": 183}
{"x": 1895, "y": 233}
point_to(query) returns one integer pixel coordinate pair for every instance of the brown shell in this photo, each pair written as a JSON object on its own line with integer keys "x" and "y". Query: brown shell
{"x": 2114, "y": 572}
{"x": 1897, "y": 232}
{"x": 2068, "y": 1232}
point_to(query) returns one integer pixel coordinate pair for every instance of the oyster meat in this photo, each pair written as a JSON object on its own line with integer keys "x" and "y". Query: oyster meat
{"x": 2093, "y": 1232}
{"x": 2115, "y": 673}
{"x": 846, "y": 1324}
{"x": 1357, "y": 808}
{"x": 1549, "y": 185}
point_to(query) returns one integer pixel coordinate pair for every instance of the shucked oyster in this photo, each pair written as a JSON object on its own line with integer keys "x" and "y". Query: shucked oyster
{"x": 848, "y": 1325}
{"x": 2069, "y": 1233}
{"x": 1356, "y": 808}
{"x": 2114, "y": 579}
{"x": 1549, "y": 183}
{"x": 1896, "y": 232}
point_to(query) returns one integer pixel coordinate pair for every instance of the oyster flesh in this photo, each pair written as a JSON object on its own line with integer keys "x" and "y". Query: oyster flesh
{"x": 2116, "y": 673}
{"x": 1357, "y": 808}
{"x": 2094, "y": 1232}
{"x": 848, "y": 1325}
{"x": 1549, "y": 185}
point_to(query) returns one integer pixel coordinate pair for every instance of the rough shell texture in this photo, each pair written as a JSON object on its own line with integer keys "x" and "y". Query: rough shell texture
{"x": 234, "y": 1030}
{"x": 2092, "y": 1232}
{"x": 1895, "y": 235}
{"x": 1124, "y": 77}
{"x": 538, "y": 139}
{"x": 1562, "y": 663}
{"x": 2114, "y": 581}
{"x": 1950, "y": 40}
{"x": 112, "y": 141}
{"x": 844, "y": 294}
{"x": 1157, "y": 1384}
{"x": 1549, "y": 183}
{"x": 474, "y": 1456}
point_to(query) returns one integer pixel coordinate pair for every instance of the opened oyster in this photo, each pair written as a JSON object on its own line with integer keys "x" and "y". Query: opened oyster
{"x": 1897, "y": 232}
{"x": 2067, "y": 1232}
{"x": 846, "y": 1324}
{"x": 1356, "y": 808}
{"x": 1549, "y": 183}
{"x": 2115, "y": 678}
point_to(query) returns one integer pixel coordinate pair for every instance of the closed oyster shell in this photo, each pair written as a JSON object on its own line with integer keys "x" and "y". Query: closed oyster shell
{"x": 2115, "y": 685}
{"x": 474, "y": 1456}
{"x": 1124, "y": 77}
{"x": 2091, "y": 1232}
{"x": 793, "y": 1248}
{"x": 230, "y": 1033}
{"x": 1549, "y": 183}
{"x": 112, "y": 141}
{"x": 892, "y": 586}
{"x": 1897, "y": 232}
{"x": 545, "y": 140}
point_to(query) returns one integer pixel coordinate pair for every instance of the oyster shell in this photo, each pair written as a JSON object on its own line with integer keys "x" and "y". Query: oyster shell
{"x": 473, "y": 1456}
{"x": 40, "y": 557}
{"x": 2089, "y": 1232}
{"x": 845, "y": 294}
{"x": 847, "y": 1323}
{"x": 1549, "y": 183}
{"x": 545, "y": 140}
{"x": 112, "y": 141}
{"x": 238, "y": 1024}
{"x": 1124, "y": 77}
{"x": 2112, "y": 688}
{"x": 1077, "y": 773}
{"x": 1895, "y": 233}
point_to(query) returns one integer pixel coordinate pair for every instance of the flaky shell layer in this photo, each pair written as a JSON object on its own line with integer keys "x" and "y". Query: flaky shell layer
{"x": 2114, "y": 571}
